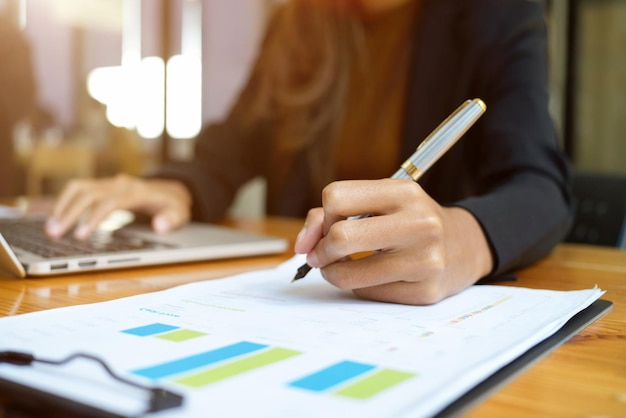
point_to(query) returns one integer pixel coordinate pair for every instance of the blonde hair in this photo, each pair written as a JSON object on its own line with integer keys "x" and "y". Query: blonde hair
{"x": 301, "y": 79}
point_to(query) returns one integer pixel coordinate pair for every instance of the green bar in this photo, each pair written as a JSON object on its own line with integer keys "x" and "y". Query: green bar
{"x": 216, "y": 374}
{"x": 374, "y": 384}
{"x": 181, "y": 335}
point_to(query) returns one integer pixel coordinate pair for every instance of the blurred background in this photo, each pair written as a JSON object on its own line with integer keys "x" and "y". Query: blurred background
{"x": 115, "y": 86}
{"x": 92, "y": 88}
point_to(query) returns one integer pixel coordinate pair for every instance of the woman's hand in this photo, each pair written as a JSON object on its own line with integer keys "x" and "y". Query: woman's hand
{"x": 167, "y": 201}
{"x": 422, "y": 252}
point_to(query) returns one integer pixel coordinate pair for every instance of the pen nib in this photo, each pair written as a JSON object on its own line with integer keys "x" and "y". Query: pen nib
{"x": 302, "y": 271}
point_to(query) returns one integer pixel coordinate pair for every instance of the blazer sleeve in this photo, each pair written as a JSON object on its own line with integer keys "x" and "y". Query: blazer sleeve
{"x": 524, "y": 200}
{"x": 227, "y": 155}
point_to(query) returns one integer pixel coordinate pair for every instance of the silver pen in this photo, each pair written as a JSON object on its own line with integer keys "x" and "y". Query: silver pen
{"x": 430, "y": 150}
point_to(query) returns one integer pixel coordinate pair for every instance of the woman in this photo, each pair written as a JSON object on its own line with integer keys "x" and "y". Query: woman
{"x": 347, "y": 90}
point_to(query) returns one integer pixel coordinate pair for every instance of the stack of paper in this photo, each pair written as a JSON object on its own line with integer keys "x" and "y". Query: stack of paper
{"x": 255, "y": 345}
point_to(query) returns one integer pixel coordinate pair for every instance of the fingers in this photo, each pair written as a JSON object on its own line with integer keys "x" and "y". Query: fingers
{"x": 403, "y": 231}
{"x": 63, "y": 202}
{"x": 311, "y": 232}
{"x": 423, "y": 293}
{"x": 93, "y": 200}
{"x": 384, "y": 267}
{"x": 79, "y": 197}
{"x": 376, "y": 233}
{"x": 399, "y": 209}
{"x": 170, "y": 218}
{"x": 419, "y": 251}
{"x": 101, "y": 206}
{"x": 345, "y": 199}
{"x": 392, "y": 277}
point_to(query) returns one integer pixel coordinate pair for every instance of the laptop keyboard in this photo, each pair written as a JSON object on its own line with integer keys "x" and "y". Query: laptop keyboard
{"x": 30, "y": 236}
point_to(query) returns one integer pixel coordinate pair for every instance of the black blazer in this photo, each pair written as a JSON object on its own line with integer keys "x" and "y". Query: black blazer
{"x": 508, "y": 170}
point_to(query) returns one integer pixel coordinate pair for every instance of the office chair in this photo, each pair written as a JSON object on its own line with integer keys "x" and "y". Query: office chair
{"x": 599, "y": 209}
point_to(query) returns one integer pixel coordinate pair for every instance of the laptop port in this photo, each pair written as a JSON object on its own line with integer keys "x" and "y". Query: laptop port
{"x": 124, "y": 260}
{"x": 89, "y": 263}
{"x": 60, "y": 266}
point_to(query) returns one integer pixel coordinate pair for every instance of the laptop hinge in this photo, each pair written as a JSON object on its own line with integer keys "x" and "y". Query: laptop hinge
{"x": 9, "y": 261}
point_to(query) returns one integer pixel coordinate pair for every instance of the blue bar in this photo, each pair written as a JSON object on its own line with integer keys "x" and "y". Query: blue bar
{"x": 198, "y": 360}
{"x": 331, "y": 376}
{"x": 151, "y": 329}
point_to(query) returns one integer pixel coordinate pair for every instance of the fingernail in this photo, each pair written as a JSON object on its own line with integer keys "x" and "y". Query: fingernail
{"x": 312, "y": 260}
{"x": 161, "y": 224}
{"x": 82, "y": 232}
{"x": 53, "y": 227}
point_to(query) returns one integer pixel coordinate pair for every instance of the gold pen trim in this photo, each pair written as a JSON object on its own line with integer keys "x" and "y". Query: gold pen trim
{"x": 411, "y": 170}
{"x": 480, "y": 103}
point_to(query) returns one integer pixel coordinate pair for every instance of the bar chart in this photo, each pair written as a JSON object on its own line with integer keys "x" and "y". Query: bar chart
{"x": 352, "y": 380}
{"x": 344, "y": 378}
{"x": 164, "y": 332}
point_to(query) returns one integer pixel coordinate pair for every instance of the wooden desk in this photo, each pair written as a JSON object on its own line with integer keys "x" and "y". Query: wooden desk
{"x": 586, "y": 377}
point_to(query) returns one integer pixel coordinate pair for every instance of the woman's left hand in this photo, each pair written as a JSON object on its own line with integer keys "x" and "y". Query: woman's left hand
{"x": 419, "y": 251}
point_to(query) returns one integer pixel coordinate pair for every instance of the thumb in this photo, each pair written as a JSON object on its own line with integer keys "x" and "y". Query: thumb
{"x": 168, "y": 219}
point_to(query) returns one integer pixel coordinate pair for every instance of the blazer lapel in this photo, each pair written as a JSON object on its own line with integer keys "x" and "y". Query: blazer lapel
{"x": 435, "y": 73}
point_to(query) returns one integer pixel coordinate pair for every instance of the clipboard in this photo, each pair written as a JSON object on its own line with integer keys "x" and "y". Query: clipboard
{"x": 480, "y": 392}
{"x": 24, "y": 401}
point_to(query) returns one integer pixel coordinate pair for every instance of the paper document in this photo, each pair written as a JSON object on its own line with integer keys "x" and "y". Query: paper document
{"x": 254, "y": 345}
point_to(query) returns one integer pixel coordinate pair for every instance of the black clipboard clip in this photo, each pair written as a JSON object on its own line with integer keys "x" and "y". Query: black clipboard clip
{"x": 29, "y": 401}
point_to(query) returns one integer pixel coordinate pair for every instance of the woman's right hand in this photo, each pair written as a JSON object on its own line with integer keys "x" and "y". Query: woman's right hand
{"x": 168, "y": 202}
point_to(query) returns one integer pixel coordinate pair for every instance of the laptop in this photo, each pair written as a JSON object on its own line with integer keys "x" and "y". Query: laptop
{"x": 25, "y": 250}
